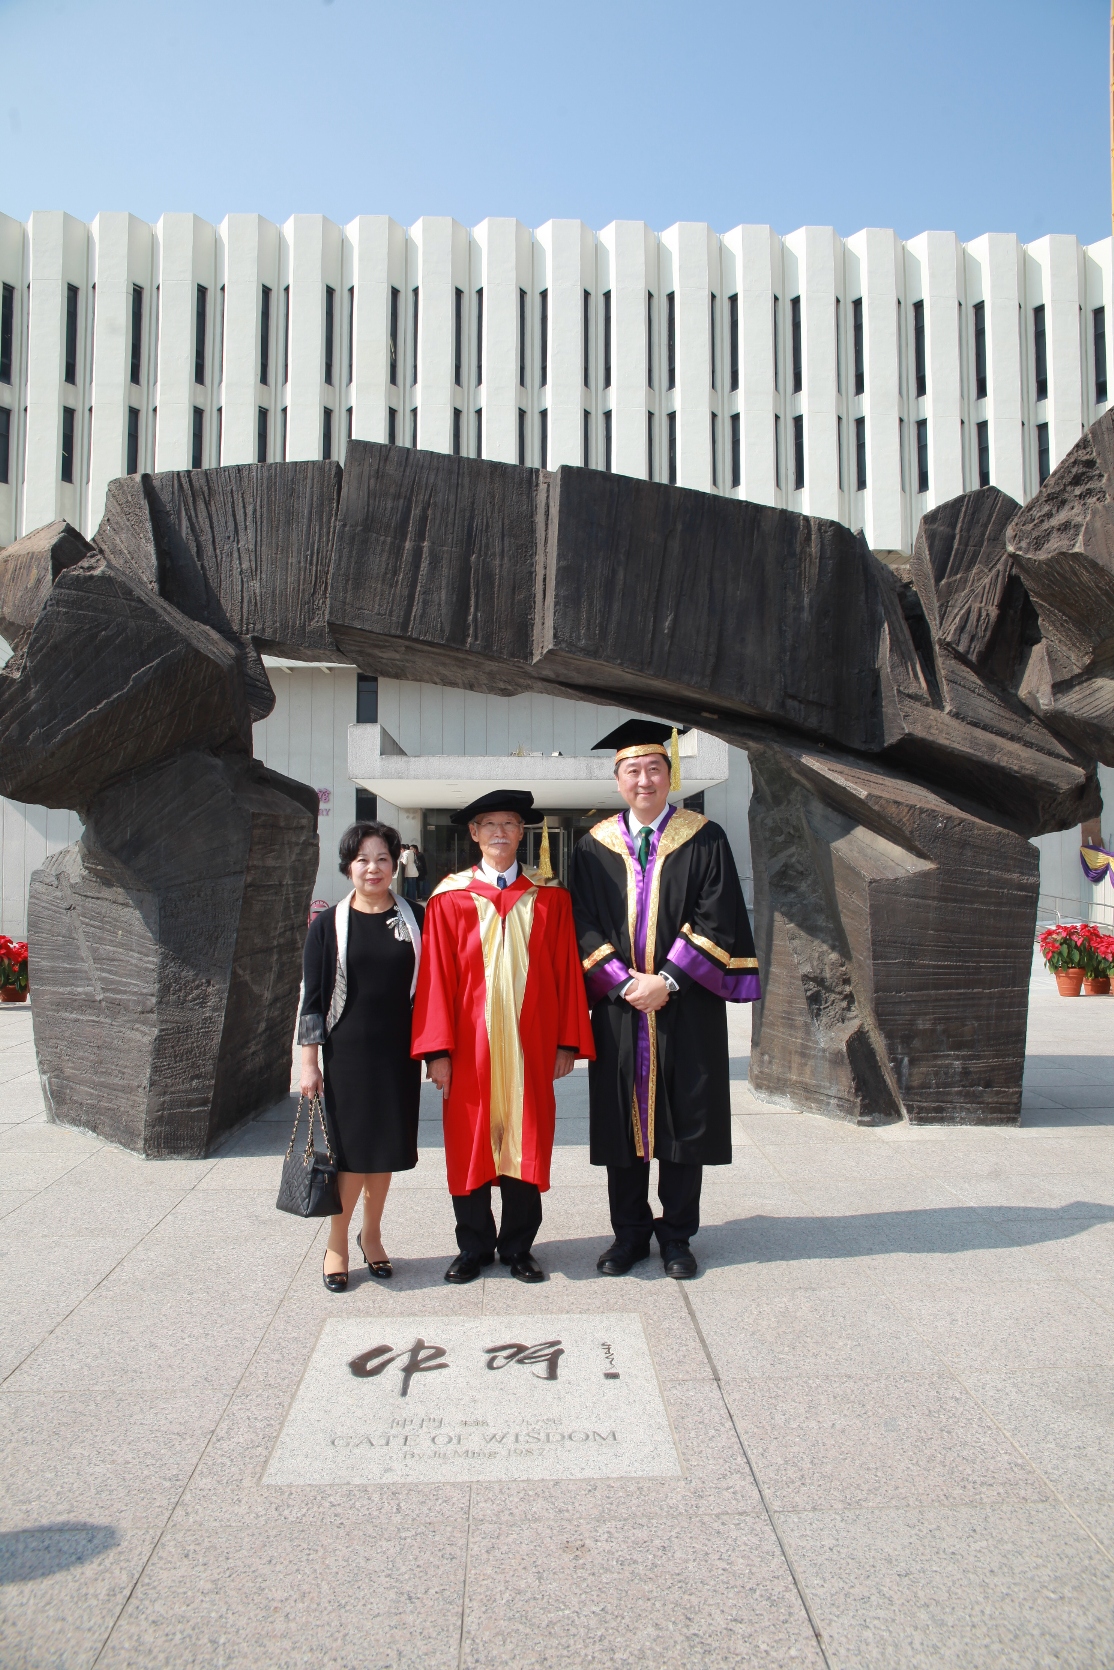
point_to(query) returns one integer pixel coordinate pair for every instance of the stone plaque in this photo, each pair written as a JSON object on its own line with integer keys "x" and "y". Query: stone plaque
{"x": 385, "y": 1399}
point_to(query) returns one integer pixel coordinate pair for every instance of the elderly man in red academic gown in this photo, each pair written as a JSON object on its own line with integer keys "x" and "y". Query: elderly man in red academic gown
{"x": 499, "y": 1013}
{"x": 666, "y": 945}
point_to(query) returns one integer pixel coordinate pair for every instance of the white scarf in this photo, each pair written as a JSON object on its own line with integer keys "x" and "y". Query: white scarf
{"x": 406, "y": 927}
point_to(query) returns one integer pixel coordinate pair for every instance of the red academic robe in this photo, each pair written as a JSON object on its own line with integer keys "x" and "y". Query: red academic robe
{"x": 500, "y": 987}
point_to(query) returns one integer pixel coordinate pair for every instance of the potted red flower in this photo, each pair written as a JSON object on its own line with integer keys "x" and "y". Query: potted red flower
{"x": 13, "y": 970}
{"x": 1098, "y": 959}
{"x": 1081, "y": 957}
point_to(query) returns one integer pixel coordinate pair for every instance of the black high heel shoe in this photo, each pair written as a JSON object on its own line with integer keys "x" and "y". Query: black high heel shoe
{"x": 335, "y": 1280}
{"x": 381, "y": 1268}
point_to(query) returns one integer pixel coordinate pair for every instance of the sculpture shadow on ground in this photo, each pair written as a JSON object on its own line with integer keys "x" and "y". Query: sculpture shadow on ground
{"x": 910, "y": 726}
{"x": 41, "y": 1550}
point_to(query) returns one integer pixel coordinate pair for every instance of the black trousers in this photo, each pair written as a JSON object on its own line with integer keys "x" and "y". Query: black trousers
{"x": 628, "y": 1192}
{"x": 522, "y": 1218}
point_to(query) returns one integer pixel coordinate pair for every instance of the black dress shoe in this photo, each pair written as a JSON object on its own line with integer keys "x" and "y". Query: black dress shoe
{"x": 678, "y": 1260}
{"x": 525, "y": 1267}
{"x": 335, "y": 1280}
{"x": 466, "y": 1267}
{"x": 619, "y": 1258}
{"x": 382, "y": 1268}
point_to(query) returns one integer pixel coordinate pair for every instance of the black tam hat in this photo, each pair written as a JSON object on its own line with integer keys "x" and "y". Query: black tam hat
{"x": 499, "y": 800}
{"x": 636, "y": 737}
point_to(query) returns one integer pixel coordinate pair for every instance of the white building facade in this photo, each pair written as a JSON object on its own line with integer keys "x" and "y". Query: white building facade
{"x": 863, "y": 379}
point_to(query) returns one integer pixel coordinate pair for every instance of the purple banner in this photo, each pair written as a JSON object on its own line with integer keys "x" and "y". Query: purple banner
{"x": 733, "y": 988}
{"x": 1096, "y": 862}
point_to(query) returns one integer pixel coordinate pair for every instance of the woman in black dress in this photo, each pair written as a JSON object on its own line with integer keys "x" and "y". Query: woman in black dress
{"x": 361, "y": 968}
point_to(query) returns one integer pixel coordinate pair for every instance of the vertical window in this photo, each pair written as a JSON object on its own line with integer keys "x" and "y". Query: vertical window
{"x": 980, "y": 351}
{"x": 983, "y": 433}
{"x": 367, "y": 699}
{"x": 649, "y": 446}
{"x": 456, "y": 426}
{"x": 671, "y": 341}
{"x": 265, "y": 336}
{"x": 671, "y": 438}
{"x": 220, "y": 432}
{"x": 607, "y": 441}
{"x": 261, "y": 435}
{"x": 1040, "y": 354}
{"x": 587, "y": 440}
{"x": 479, "y": 433}
{"x": 777, "y": 344}
{"x": 649, "y": 339}
{"x": 200, "y": 311}
{"x": 286, "y": 335}
{"x": 522, "y": 339}
{"x": 330, "y": 300}
{"x": 795, "y": 332}
{"x": 713, "y": 339}
{"x": 922, "y": 455}
{"x": 715, "y": 450}
{"x": 900, "y": 355}
{"x": 392, "y": 426}
{"x": 137, "y": 333}
{"x": 284, "y": 427}
{"x": 607, "y": 339}
{"x": 413, "y": 426}
{"x": 458, "y": 338}
{"x": 901, "y": 451}
{"x": 839, "y": 451}
{"x": 839, "y": 348}
{"x": 736, "y": 451}
{"x": 348, "y": 424}
{"x": 133, "y": 440}
{"x": 777, "y": 450}
{"x": 920, "y": 370}
{"x": 71, "y": 335}
{"x": 67, "y": 443}
{"x": 543, "y": 337}
{"x": 733, "y": 327}
{"x": 1043, "y": 466}
{"x": 798, "y": 453}
{"x": 327, "y": 433}
{"x": 7, "y": 316}
{"x": 220, "y": 373}
{"x": 857, "y": 333}
{"x": 860, "y": 455}
{"x": 351, "y": 328}
{"x": 5, "y": 442}
{"x": 479, "y": 340}
{"x": 1098, "y": 324}
{"x": 394, "y": 338}
{"x": 414, "y": 331}
{"x": 521, "y": 436}
{"x": 198, "y": 454}
{"x": 587, "y": 339}
{"x": 543, "y": 438}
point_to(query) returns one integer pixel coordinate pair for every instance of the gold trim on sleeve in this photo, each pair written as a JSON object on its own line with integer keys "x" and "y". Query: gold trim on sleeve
{"x": 713, "y": 950}
{"x": 602, "y": 951}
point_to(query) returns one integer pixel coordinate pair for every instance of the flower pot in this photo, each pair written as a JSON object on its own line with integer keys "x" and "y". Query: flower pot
{"x": 1098, "y": 987}
{"x": 1069, "y": 981}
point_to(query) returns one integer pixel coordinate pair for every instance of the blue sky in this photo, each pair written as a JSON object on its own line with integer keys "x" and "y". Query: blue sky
{"x": 976, "y": 116}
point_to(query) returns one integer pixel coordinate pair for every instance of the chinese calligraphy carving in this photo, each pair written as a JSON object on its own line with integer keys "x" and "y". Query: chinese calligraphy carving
{"x": 420, "y": 1359}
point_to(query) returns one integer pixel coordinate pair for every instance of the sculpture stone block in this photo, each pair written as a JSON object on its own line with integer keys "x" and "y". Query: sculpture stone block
{"x": 910, "y": 727}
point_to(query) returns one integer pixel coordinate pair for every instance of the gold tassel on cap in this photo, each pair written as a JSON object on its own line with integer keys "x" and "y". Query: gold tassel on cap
{"x": 545, "y": 866}
{"x": 674, "y": 764}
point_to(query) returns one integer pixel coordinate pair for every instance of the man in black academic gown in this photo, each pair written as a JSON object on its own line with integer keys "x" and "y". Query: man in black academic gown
{"x": 665, "y": 944}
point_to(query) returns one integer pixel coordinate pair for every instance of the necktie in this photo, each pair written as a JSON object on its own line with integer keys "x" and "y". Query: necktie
{"x": 500, "y": 882}
{"x": 645, "y": 836}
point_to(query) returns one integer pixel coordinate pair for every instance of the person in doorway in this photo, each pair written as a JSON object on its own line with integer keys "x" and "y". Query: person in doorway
{"x": 361, "y": 964}
{"x": 500, "y": 1013}
{"x": 410, "y": 873}
{"x": 423, "y": 872}
{"x": 665, "y": 943}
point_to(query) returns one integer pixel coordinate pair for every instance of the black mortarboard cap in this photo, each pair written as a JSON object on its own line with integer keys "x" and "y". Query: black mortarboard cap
{"x": 499, "y": 800}
{"x": 634, "y": 733}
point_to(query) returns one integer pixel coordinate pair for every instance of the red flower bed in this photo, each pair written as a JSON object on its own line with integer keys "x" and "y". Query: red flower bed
{"x": 1078, "y": 945}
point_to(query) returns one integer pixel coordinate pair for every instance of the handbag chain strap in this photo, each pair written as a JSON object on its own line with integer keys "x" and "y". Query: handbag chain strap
{"x": 315, "y": 1108}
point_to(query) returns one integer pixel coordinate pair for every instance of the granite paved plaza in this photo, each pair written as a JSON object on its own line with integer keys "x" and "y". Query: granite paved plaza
{"x": 890, "y": 1395}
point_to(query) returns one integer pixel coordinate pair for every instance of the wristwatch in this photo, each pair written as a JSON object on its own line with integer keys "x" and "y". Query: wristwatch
{"x": 674, "y": 988}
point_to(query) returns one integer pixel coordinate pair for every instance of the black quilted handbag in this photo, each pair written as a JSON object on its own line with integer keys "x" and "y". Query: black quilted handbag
{"x": 309, "y": 1185}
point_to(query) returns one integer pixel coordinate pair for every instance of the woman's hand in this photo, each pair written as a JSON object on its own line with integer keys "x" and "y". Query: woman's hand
{"x": 441, "y": 1073}
{"x": 312, "y": 1084}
